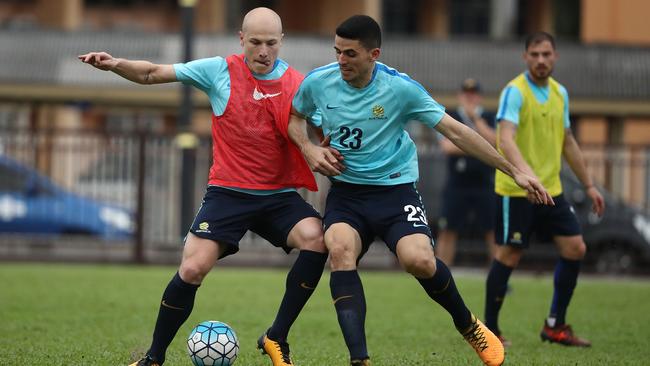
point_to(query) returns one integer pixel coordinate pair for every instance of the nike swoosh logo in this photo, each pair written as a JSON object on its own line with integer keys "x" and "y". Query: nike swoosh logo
{"x": 419, "y": 225}
{"x": 257, "y": 95}
{"x": 342, "y": 297}
{"x": 331, "y": 106}
{"x": 163, "y": 303}
{"x": 304, "y": 285}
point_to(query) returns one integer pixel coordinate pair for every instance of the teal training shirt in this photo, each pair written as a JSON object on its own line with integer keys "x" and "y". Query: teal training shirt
{"x": 367, "y": 124}
{"x": 211, "y": 76}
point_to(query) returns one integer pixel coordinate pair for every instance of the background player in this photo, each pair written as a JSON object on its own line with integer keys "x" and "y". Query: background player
{"x": 533, "y": 134}
{"x": 468, "y": 196}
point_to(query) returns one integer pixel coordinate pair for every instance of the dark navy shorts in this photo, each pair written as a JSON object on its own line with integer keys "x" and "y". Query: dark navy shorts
{"x": 387, "y": 212}
{"x": 517, "y": 219}
{"x": 225, "y": 216}
{"x": 462, "y": 207}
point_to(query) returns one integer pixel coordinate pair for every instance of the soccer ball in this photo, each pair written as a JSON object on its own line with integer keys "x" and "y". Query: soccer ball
{"x": 213, "y": 343}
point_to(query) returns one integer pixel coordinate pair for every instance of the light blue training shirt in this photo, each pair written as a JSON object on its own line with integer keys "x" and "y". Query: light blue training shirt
{"x": 511, "y": 99}
{"x": 366, "y": 125}
{"x": 211, "y": 76}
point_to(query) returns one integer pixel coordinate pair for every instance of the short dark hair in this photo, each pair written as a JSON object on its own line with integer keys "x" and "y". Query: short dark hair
{"x": 539, "y": 37}
{"x": 361, "y": 28}
{"x": 470, "y": 85}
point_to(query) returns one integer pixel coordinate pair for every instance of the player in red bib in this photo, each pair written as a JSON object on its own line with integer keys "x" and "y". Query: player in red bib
{"x": 253, "y": 179}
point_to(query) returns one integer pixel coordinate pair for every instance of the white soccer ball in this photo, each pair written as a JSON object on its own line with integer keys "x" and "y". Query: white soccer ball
{"x": 213, "y": 343}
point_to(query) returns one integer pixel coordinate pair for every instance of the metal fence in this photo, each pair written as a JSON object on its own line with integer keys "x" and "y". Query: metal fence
{"x": 106, "y": 168}
{"x": 110, "y": 169}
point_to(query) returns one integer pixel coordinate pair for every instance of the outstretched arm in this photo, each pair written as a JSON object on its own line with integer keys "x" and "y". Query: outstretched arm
{"x": 141, "y": 72}
{"x": 473, "y": 144}
{"x": 482, "y": 127}
{"x": 574, "y": 158}
{"x": 449, "y": 148}
{"x": 322, "y": 159}
{"x": 507, "y": 133}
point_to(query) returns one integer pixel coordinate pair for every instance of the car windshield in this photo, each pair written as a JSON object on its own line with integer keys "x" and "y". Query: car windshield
{"x": 13, "y": 180}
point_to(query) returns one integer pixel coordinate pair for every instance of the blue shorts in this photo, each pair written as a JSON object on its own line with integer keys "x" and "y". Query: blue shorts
{"x": 517, "y": 219}
{"x": 387, "y": 212}
{"x": 462, "y": 207}
{"x": 225, "y": 216}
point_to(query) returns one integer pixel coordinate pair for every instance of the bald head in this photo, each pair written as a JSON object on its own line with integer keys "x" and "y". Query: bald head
{"x": 262, "y": 20}
{"x": 261, "y": 38}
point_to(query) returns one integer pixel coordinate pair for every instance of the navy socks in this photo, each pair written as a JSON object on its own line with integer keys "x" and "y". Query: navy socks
{"x": 301, "y": 282}
{"x": 175, "y": 307}
{"x": 496, "y": 287}
{"x": 565, "y": 280}
{"x": 350, "y": 303}
{"x": 442, "y": 289}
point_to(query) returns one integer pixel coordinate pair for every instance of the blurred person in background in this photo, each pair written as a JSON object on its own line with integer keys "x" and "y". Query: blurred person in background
{"x": 468, "y": 196}
{"x": 533, "y": 133}
{"x": 253, "y": 179}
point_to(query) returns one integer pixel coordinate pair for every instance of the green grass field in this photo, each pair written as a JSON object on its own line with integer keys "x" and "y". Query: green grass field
{"x": 103, "y": 315}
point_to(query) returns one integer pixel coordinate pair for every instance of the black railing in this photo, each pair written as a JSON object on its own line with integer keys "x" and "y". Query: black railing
{"x": 137, "y": 174}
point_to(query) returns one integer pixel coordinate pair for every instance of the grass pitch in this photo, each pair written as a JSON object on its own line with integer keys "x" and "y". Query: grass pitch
{"x": 104, "y": 315}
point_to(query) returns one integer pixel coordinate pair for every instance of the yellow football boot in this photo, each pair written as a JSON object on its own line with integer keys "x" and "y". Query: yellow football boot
{"x": 487, "y": 345}
{"x": 277, "y": 351}
{"x": 146, "y": 361}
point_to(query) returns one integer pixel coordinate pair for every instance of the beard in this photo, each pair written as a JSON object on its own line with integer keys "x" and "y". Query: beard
{"x": 542, "y": 73}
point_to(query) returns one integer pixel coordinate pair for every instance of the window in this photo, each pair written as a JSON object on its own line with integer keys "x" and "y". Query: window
{"x": 567, "y": 19}
{"x": 122, "y": 3}
{"x": 469, "y": 17}
{"x": 237, "y": 9}
{"x": 400, "y": 17}
{"x": 12, "y": 180}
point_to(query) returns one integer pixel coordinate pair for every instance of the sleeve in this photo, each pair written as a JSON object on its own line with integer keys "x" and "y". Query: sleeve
{"x": 419, "y": 105}
{"x": 509, "y": 105}
{"x": 201, "y": 73}
{"x": 316, "y": 118}
{"x": 303, "y": 101}
{"x": 565, "y": 94}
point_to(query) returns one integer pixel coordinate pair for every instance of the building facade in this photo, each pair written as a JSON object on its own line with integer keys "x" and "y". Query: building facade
{"x": 600, "y": 41}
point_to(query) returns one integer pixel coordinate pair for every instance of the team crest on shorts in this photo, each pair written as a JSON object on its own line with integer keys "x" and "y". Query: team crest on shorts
{"x": 203, "y": 227}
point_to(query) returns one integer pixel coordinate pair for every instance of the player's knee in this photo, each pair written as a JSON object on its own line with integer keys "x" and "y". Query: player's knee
{"x": 311, "y": 238}
{"x": 420, "y": 267}
{"x": 581, "y": 250}
{"x": 508, "y": 256}
{"x": 577, "y": 251}
{"x": 193, "y": 272}
{"x": 341, "y": 256}
{"x": 308, "y": 235}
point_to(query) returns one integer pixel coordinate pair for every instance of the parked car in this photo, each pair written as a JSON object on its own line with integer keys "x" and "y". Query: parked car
{"x": 32, "y": 203}
{"x": 618, "y": 242}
